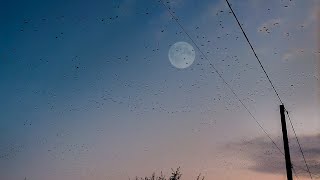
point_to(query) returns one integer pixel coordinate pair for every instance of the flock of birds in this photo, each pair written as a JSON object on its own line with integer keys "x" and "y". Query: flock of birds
{"x": 148, "y": 97}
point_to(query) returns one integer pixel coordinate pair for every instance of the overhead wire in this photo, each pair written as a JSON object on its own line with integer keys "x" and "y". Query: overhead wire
{"x": 254, "y": 52}
{"x": 219, "y": 74}
{"x": 276, "y": 92}
{"x": 300, "y": 148}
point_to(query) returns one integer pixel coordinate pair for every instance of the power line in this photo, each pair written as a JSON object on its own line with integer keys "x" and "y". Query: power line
{"x": 233, "y": 92}
{"x": 304, "y": 159}
{"x": 298, "y": 167}
{"x": 180, "y": 25}
{"x": 254, "y": 52}
{"x": 265, "y": 72}
{"x": 221, "y": 77}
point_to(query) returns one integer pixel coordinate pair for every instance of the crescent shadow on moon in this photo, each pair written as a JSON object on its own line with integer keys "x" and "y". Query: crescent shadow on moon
{"x": 181, "y": 55}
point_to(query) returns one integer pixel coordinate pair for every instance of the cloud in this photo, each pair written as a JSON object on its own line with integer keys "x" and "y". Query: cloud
{"x": 313, "y": 16}
{"x": 267, "y": 159}
{"x": 293, "y": 53}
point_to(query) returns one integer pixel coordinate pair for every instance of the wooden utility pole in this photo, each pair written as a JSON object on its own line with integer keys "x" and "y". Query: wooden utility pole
{"x": 286, "y": 143}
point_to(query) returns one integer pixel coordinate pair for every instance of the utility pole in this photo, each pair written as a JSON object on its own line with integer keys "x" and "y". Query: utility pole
{"x": 286, "y": 143}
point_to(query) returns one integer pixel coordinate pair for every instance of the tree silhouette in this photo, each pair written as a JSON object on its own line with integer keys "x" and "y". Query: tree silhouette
{"x": 175, "y": 175}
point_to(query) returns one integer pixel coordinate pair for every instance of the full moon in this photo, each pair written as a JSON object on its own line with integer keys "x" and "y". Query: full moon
{"x": 181, "y": 55}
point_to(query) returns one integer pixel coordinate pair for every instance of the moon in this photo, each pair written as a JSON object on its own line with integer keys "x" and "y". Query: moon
{"x": 181, "y": 55}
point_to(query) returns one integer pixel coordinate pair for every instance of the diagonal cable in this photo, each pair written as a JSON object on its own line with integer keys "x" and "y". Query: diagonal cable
{"x": 304, "y": 159}
{"x": 265, "y": 72}
{"x": 219, "y": 74}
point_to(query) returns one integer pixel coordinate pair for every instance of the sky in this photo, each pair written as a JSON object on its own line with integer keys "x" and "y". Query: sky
{"x": 88, "y": 91}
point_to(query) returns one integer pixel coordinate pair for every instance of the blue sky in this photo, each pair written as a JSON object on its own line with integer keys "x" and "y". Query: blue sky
{"x": 88, "y": 91}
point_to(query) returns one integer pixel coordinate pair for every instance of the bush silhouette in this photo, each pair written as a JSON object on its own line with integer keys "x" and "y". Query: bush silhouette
{"x": 175, "y": 175}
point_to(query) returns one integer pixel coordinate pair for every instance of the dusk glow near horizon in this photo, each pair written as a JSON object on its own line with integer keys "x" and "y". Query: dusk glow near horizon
{"x": 118, "y": 89}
